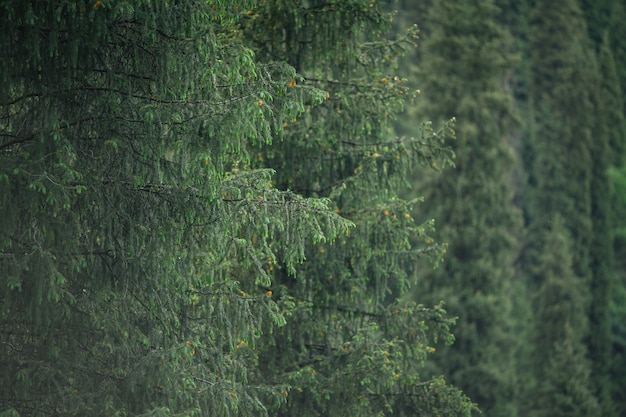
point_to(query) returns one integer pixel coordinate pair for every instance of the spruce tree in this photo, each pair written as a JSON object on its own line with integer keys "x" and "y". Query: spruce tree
{"x": 597, "y": 14}
{"x": 563, "y": 100}
{"x": 359, "y": 355}
{"x": 607, "y": 149}
{"x": 560, "y": 361}
{"x": 563, "y": 71}
{"x": 172, "y": 178}
{"x": 465, "y": 62}
{"x": 618, "y": 295}
{"x": 617, "y": 35}
{"x": 616, "y": 109}
{"x": 127, "y": 222}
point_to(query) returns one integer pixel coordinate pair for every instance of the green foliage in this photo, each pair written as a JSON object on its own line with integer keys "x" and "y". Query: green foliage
{"x": 562, "y": 368}
{"x": 353, "y": 346}
{"x": 571, "y": 155}
{"x": 200, "y": 214}
{"x": 464, "y": 64}
{"x": 611, "y": 107}
{"x": 563, "y": 104}
{"x": 597, "y": 16}
{"x": 618, "y": 295}
{"x": 563, "y": 391}
{"x": 563, "y": 109}
{"x": 608, "y": 148}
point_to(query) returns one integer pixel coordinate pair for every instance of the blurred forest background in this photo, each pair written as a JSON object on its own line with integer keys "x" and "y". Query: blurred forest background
{"x": 534, "y": 210}
{"x": 313, "y": 208}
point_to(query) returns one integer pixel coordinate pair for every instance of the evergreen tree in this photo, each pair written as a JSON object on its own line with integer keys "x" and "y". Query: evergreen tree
{"x": 172, "y": 176}
{"x": 607, "y": 148}
{"x": 611, "y": 106}
{"x": 559, "y": 357}
{"x": 616, "y": 109}
{"x": 597, "y": 16}
{"x": 564, "y": 73}
{"x": 359, "y": 355}
{"x": 465, "y": 63}
{"x": 617, "y": 35}
{"x": 126, "y": 226}
{"x": 618, "y": 295}
{"x": 563, "y": 116}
